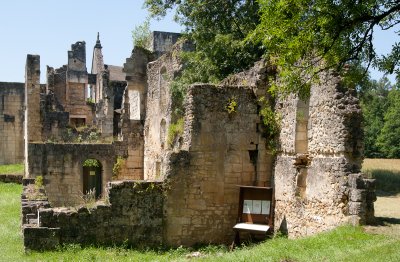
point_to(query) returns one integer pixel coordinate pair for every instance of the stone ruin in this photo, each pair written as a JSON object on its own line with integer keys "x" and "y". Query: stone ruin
{"x": 157, "y": 188}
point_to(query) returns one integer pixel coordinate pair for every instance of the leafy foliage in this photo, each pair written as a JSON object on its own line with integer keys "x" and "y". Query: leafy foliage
{"x": 217, "y": 28}
{"x": 271, "y": 123}
{"x": 303, "y": 37}
{"x": 300, "y": 37}
{"x": 90, "y": 162}
{"x": 231, "y": 106}
{"x": 118, "y": 165}
{"x": 374, "y": 104}
{"x": 141, "y": 35}
{"x": 39, "y": 182}
{"x": 380, "y": 103}
{"x": 388, "y": 139}
{"x": 175, "y": 130}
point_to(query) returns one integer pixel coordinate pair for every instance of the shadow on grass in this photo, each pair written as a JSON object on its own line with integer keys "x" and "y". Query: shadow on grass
{"x": 387, "y": 181}
{"x": 386, "y": 221}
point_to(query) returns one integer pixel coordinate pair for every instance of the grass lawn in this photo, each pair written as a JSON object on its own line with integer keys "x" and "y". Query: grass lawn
{"x": 342, "y": 244}
{"x": 12, "y": 169}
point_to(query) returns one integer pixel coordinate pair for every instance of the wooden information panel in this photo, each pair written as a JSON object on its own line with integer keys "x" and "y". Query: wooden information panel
{"x": 255, "y": 205}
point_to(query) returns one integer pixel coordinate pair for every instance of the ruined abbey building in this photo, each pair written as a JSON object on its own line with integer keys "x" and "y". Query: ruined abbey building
{"x": 183, "y": 190}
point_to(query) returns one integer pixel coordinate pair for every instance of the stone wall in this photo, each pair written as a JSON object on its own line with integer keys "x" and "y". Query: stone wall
{"x": 12, "y": 98}
{"x": 33, "y": 125}
{"x": 160, "y": 74}
{"x": 133, "y": 112}
{"x": 62, "y": 170}
{"x": 162, "y": 42}
{"x": 312, "y": 188}
{"x": 133, "y": 216}
{"x": 220, "y": 150}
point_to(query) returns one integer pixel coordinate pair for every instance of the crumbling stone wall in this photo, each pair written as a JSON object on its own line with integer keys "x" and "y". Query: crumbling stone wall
{"x": 133, "y": 216}
{"x": 12, "y": 99}
{"x": 33, "y": 125}
{"x": 220, "y": 150}
{"x": 133, "y": 113}
{"x": 61, "y": 168}
{"x": 162, "y": 42}
{"x": 159, "y": 112}
{"x": 312, "y": 186}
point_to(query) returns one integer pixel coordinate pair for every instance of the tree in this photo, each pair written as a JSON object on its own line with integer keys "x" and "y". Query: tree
{"x": 141, "y": 35}
{"x": 389, "y": 138}
{"x": 303, "y": 37}
{"x": 374, "y": 104}
{"x": 218, "y": 29}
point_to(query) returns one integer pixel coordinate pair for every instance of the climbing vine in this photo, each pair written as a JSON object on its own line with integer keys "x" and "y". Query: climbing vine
{"x": 117, "y": 168}
{"x": 232, "y": 105}
{"x": 270, "y": 122}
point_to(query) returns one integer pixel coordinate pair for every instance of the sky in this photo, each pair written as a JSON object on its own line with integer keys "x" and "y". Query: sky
{"x": 48, "y": 28}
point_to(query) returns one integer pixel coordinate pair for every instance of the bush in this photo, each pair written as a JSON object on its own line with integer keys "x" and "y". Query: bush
{"x": 175, "y": 130}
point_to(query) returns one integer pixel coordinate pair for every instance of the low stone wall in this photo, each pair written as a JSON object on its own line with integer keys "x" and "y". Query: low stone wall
{"x": 61, "y": 168}
{"x": 11, "y": 122}
{"x": 133, "y": 216}
{"x": 11, "y": 178}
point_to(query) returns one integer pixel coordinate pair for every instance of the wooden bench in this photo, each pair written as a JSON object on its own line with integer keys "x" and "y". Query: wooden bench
{"x": 255, "y": 214}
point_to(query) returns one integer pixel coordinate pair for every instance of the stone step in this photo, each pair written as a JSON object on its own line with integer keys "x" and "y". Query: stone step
{"x": 33, "y": 221}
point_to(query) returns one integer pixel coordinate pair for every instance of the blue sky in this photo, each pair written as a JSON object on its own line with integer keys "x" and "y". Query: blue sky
{"x": 49, "y": 27}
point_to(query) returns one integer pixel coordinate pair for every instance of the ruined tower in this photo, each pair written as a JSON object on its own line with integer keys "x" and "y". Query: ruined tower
{"x": 33, "y": 126}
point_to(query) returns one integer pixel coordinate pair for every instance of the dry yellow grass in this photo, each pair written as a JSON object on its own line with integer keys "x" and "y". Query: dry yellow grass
{"x": 381, "y": 164}
{"x": 386, "y": 172}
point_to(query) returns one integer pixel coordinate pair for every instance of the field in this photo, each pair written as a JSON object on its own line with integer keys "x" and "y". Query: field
{"x": 387, "y": 207}
{"x": 343, "y": 244}
{"x": 387, "y": 174}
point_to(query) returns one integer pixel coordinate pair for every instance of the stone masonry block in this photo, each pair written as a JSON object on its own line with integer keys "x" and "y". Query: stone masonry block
{"x": 357, "y": 195}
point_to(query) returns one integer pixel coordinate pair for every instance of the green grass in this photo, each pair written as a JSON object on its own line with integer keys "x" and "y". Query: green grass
{"x": 342, "y": 244}
{"x": 12, "y": 169}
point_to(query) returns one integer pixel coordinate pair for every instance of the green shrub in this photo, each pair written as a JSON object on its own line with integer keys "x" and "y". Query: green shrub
{"x": 117, "y": 168}
{"x": 38, "y": 182}
{"x": 231, "y": 105}
{"x": 91, "y": 163}
{"x": 175, "y": 130}
{"x": 271, "y": 123}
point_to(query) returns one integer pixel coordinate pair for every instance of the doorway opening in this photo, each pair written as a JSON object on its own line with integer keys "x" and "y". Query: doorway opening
{"x": 92, "y": 182}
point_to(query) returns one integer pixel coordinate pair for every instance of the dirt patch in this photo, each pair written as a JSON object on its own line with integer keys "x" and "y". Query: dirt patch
{"x": 387, "y": 213}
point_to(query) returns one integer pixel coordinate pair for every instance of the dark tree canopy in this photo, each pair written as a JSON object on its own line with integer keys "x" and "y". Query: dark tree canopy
{"x": 389, "y": 137}
{"x": 374, "y": 104}
{"x": 301, "y": 37}
{"x": 217, "y": 28}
